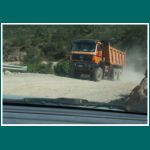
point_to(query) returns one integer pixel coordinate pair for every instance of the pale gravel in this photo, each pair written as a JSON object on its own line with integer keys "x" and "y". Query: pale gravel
{"x": 52, "y": 86}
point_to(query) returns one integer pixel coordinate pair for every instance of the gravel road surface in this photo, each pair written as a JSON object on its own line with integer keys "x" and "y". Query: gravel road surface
{"x": 52, "y": 86}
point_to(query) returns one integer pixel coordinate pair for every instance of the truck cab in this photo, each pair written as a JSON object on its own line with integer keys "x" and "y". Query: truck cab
{"x": 89, "y": 51}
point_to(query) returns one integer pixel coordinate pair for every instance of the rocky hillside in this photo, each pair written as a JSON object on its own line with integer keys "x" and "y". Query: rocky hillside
{"x": 137, "y": 100}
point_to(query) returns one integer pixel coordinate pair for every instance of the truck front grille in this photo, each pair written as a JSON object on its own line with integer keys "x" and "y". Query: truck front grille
{"x": 81, "y": 57}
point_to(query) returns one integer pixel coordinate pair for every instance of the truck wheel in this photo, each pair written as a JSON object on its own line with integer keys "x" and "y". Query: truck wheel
{"x": 118, "y": 75}
{"x": 115, "y": 74}
{"x": 76, "y": 74}
{"x": 97, "y": 74}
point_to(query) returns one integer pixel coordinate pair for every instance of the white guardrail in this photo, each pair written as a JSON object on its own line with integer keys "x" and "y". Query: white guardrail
{"x": 14, "y": 67}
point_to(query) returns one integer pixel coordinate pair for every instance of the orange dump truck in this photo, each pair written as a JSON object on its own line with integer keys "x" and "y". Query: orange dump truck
{"x": 98, "y": 59}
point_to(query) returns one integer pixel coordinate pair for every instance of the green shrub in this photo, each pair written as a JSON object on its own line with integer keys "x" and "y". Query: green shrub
{"x": 64, "y": 67}
{"x": 40, "y": 68}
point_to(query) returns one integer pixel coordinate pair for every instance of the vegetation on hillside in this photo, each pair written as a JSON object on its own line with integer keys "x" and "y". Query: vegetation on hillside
{"x": 32, "y": 44}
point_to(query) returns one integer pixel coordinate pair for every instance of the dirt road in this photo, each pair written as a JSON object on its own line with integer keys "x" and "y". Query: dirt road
{"x": 52, "y": 86}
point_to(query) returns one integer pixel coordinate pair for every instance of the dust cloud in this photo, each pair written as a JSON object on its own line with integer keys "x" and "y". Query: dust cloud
{"x": 136, "y": 65}
{"x": 136, "y": 60}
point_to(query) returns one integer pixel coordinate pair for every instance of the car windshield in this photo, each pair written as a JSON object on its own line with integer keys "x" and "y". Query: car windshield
{"x": 84, "y": 46}
{"x": 39, "y": 62}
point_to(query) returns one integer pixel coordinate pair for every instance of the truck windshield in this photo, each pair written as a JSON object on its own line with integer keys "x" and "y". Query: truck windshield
{"x": 84, "y": 46}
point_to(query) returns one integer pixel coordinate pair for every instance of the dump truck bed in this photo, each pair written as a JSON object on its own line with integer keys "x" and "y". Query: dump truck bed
{"x": 115, "y": 56}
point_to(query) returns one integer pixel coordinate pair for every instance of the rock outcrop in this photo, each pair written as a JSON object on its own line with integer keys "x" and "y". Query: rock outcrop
{"x": 137, "y": 100}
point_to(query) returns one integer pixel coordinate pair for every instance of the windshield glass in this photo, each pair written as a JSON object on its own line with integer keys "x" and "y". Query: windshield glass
{"x": 84, "y": 46}
{"x": 38, "y": 62}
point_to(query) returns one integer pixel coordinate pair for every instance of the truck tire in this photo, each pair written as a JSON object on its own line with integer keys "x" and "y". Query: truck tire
{"x": 118, "y": 75}
{"x": 115, "y": 74}
{"x": 76, "y": 74}
{"x": 97, "y": 74}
